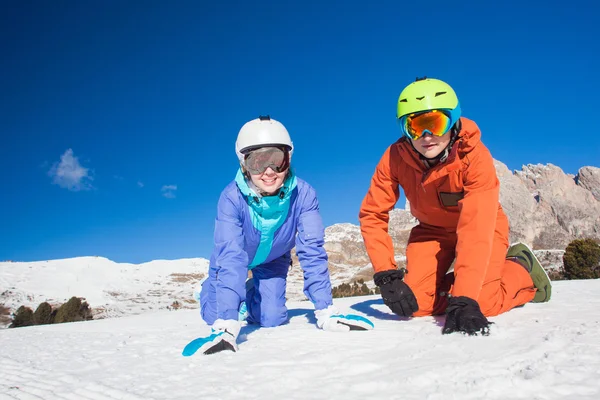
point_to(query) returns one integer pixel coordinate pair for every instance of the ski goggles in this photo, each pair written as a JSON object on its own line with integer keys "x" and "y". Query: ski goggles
{"x": 434, "y": 122}
{"x": 257, "y": 161}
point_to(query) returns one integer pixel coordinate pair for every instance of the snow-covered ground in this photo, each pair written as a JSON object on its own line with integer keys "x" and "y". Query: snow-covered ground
{"x": 539, "y": 351}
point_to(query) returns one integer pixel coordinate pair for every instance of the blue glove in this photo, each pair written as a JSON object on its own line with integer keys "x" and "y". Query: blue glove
{"x": 223, "y": 337}
{"x": 330, "y": 319}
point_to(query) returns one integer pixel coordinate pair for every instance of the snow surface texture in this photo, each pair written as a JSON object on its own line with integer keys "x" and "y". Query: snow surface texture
{"x": 539, "y": 351}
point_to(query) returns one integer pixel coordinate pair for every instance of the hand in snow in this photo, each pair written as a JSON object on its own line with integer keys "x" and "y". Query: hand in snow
{"x": 464, "y": 315}
{"x": 329, "y": 319}
{"x": 396, "y": 294}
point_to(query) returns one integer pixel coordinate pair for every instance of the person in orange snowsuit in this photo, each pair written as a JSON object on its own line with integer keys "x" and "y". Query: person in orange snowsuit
{"x": 450, "y": 182}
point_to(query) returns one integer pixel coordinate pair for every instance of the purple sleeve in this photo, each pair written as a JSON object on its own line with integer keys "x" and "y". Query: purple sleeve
{"x": 230, "y": 266}
{"x": 311, "y": 253}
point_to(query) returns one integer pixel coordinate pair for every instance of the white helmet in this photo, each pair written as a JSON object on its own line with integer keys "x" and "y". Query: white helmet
{"x": 260, "y": 132}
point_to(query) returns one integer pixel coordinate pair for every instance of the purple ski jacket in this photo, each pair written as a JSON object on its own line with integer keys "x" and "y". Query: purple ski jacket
{"x": 251, "y": 230}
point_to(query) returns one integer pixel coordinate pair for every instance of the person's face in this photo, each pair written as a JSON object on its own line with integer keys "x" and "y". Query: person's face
{"x": 268, "y": 167}
{"x": 429, "y": 131}
{"x": 269, "y": 181}
{"x": 431, "y": 146}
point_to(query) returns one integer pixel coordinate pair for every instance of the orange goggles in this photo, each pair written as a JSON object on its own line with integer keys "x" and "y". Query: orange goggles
{"x": 434, "y": 122}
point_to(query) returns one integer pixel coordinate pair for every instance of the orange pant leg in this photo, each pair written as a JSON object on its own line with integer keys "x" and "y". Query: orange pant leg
{"x": 429, "y": 254}
{"x": 506, "y": 284}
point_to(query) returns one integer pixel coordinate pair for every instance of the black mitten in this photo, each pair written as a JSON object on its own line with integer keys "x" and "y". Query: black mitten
{"x": 464, "y": 315}
{"x": 395, "y": 293}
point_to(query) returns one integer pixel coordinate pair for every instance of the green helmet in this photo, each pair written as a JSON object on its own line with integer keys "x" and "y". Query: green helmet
{"x": 428, "y": 94}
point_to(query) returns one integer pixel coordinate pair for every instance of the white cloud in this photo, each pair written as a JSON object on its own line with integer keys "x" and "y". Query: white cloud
{"x": 168, "y": 191}
{"x": 140, "y": 184}
{"x": 69, "y": 174}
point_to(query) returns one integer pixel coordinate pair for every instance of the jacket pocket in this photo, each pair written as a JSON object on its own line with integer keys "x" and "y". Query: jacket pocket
{"x": 450, "y": 199}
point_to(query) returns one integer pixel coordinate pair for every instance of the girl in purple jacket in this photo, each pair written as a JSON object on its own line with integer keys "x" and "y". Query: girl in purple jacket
{"x": 261, "y": 216}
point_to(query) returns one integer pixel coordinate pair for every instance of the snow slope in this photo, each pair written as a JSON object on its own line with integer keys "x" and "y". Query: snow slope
{"x": 112, "y": 289}
{"x": 539, "y": 351}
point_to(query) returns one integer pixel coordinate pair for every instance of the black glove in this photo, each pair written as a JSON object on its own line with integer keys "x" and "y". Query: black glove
{"x": 464, "y": 315}
{"x": 395, "y": 293}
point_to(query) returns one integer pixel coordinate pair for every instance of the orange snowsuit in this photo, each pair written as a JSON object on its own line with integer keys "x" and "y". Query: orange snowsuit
{"x": 460, "y": 219}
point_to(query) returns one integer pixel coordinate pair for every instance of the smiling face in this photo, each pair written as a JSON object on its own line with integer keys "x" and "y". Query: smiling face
{"x": 430, "y": 146}
{"x": 269, "y": 181}
{"x": 267, "y": 168}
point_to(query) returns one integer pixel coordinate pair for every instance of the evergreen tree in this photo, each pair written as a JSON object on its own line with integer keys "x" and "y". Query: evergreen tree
{"x": 43, "y": 314}
{"x": 69, "y": 312}
{"x": 582, "y": 260}
{"x": 356, "y": 288}
{"x": 23, "y": 317}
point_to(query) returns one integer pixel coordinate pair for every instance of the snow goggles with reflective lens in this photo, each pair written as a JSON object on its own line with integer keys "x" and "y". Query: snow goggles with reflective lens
{"x": 434, "y": 122}
{"x": 257, "y": 161}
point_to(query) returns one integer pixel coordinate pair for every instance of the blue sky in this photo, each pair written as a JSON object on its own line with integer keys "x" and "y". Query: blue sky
{"x": 118, "y": 118}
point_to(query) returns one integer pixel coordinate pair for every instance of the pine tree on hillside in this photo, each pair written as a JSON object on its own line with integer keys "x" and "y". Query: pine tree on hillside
{"x": 70, "y": 311}
{"x": 582, "y": 260}
{"x": 357, "y": 288}
{"x": 23, "y": 317}
{"x": 43, "y": 314}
